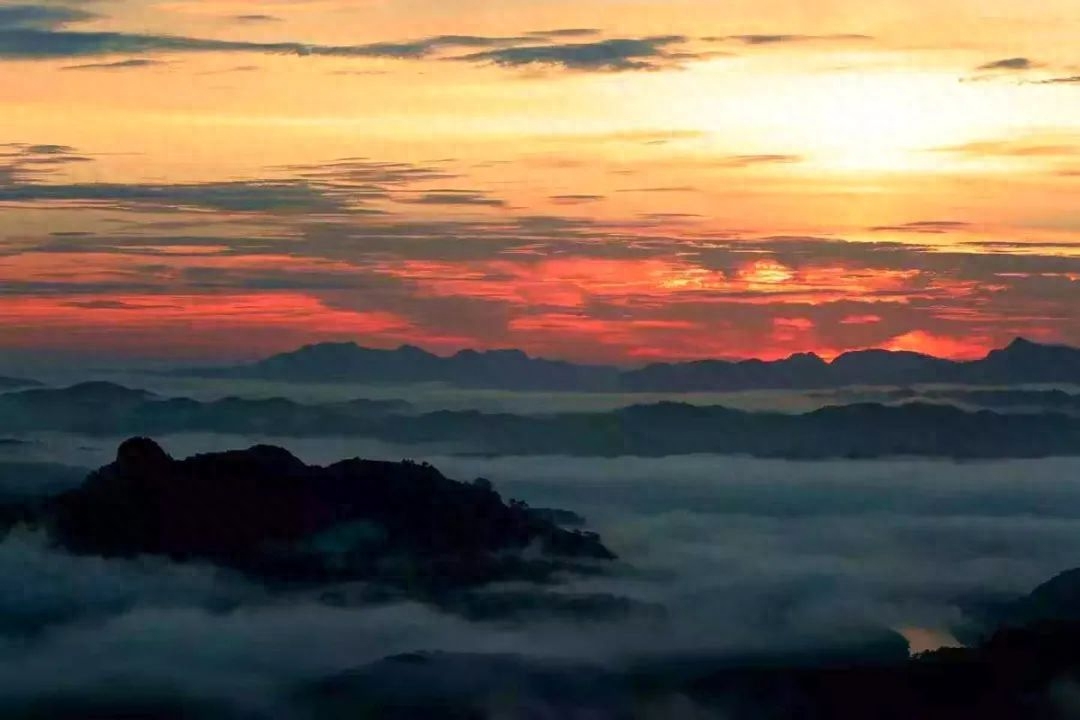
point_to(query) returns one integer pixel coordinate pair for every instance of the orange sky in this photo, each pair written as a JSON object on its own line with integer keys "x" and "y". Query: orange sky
{"x": 615, "y": 180}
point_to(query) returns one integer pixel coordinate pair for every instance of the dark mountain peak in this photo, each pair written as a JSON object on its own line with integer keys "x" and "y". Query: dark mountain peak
{"x": 496, "y": 355}
{"x": 1028, "y": 361}
{"x": 807, "y": 359}
{"x": 325, "y": 347}
{"x": 508, "y": 353}
{"x": 102, "y": 388}
{"x": 273, "y": 457}
{"x": 142, "y": 454}
{"x": 1020, "y": 343}
{"x": 1022, "y": 346}
{"x": 879, "y": 353}
{"x": 101, "y": 392}
{"x": 265, "y": 513}
{"x": 414, "y": 351}
{"x": 1056, "y": 599}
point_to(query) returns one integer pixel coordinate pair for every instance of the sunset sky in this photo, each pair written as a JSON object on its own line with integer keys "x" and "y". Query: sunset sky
{"x": 598, "y": 180}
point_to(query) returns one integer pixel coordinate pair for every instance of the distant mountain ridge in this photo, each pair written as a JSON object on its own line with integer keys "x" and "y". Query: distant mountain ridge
{"x": 864, "y": 430}
{"x": 349, "y": 362}
{"x": 1021, "y": 362}
{"x": 11, "y": 383}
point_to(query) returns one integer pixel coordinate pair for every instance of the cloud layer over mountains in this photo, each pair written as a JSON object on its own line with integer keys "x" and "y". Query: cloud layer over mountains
{"x": 745, "y": 557}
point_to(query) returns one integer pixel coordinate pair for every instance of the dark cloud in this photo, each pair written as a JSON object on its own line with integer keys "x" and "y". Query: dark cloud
{"x": 1074, "y": 80}
{"x": 340, "y": 186}
{"x": 578, "y": 199}
{"x": 255, "y": 18}
{"x": 238, "y": 196}
{"x": 363, "y": 173}
{"x": 43, "y": 44}
{"x": 776, "y": 39}
{"x": 39, "y": 17}
{"x": 1014, "y": 63}
{"x": 24, "y": 163}
{"x": 118, "y": 65}
{"x": 26, "y": 41}
{"x": 646, "y": 53}
{"x": 454, "y": 197}
{"x": 49, "y": 149}
{"x": 35, "y": 32}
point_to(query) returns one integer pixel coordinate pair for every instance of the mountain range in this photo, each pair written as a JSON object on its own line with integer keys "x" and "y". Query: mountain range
{"x": 861, "y": 430}
{"x": 1021, "y": 362}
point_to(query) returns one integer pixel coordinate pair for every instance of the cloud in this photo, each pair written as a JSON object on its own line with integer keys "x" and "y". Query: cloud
{"x": 615, "y": 55}
{"x": 342, "y": 186}
{"x": 1013, "y": 148}
{"x": 1074, "y": 80}
{"x": 32, "y": 32}
{"x": 30, "y": 39}
{"x": 24, "y": 163}
{"x": 1014, "y": 63}
{"x": 39, "y": 17}
{"x": 928, "y": 227}
{"x": 777, "y": 39}
{"x": 237, "y": 196}
{"x": 575, "y": 199}
{"x": 344, "y": 237}
{"x": 861, "y": 320}
{"x": 454, "y": 197}
{"x": 744, "y": 161}
{"x": 255, "y": 18}
{"x": 746, "y": 556}
{"x": 660, "y": 189}
{"x": 118, "y": 65}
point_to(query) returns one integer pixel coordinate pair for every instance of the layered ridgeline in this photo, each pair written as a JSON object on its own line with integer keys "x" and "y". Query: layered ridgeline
{"x": 12, "y": 383}
{"x": 1021, "y": 362}
{"x": 865, "y": 430}
{"x": 266, "y": 514}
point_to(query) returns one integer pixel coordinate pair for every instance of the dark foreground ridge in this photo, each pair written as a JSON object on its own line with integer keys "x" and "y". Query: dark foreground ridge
{"x": 1014, "y": 671}
{"x": 866, "y": 430}
{"x": 265, "y": 513}
{"x": 1023, "y": 361}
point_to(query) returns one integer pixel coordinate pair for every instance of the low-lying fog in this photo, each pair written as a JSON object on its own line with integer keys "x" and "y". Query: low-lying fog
{"x": 745, "y": 555}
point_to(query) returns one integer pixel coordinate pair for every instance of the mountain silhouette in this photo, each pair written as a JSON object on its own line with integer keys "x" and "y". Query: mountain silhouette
{"x": 862, "y": 430}
{"x": 348, "y": 362}
{"x": 265, "y": 513}
{"x": 1022, "y": 361}
{"x": 11, "y": 383}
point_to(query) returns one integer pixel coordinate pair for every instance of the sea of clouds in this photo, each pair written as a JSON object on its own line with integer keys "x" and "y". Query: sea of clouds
{"x": 745, "y": 556}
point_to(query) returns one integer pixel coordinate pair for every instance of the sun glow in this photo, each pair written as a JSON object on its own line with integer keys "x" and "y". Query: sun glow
{"x": 855, "y": 120}
{"x": 881, "y": 121}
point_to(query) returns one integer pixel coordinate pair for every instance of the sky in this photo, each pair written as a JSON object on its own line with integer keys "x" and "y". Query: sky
{"x": 599, "y": 180}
